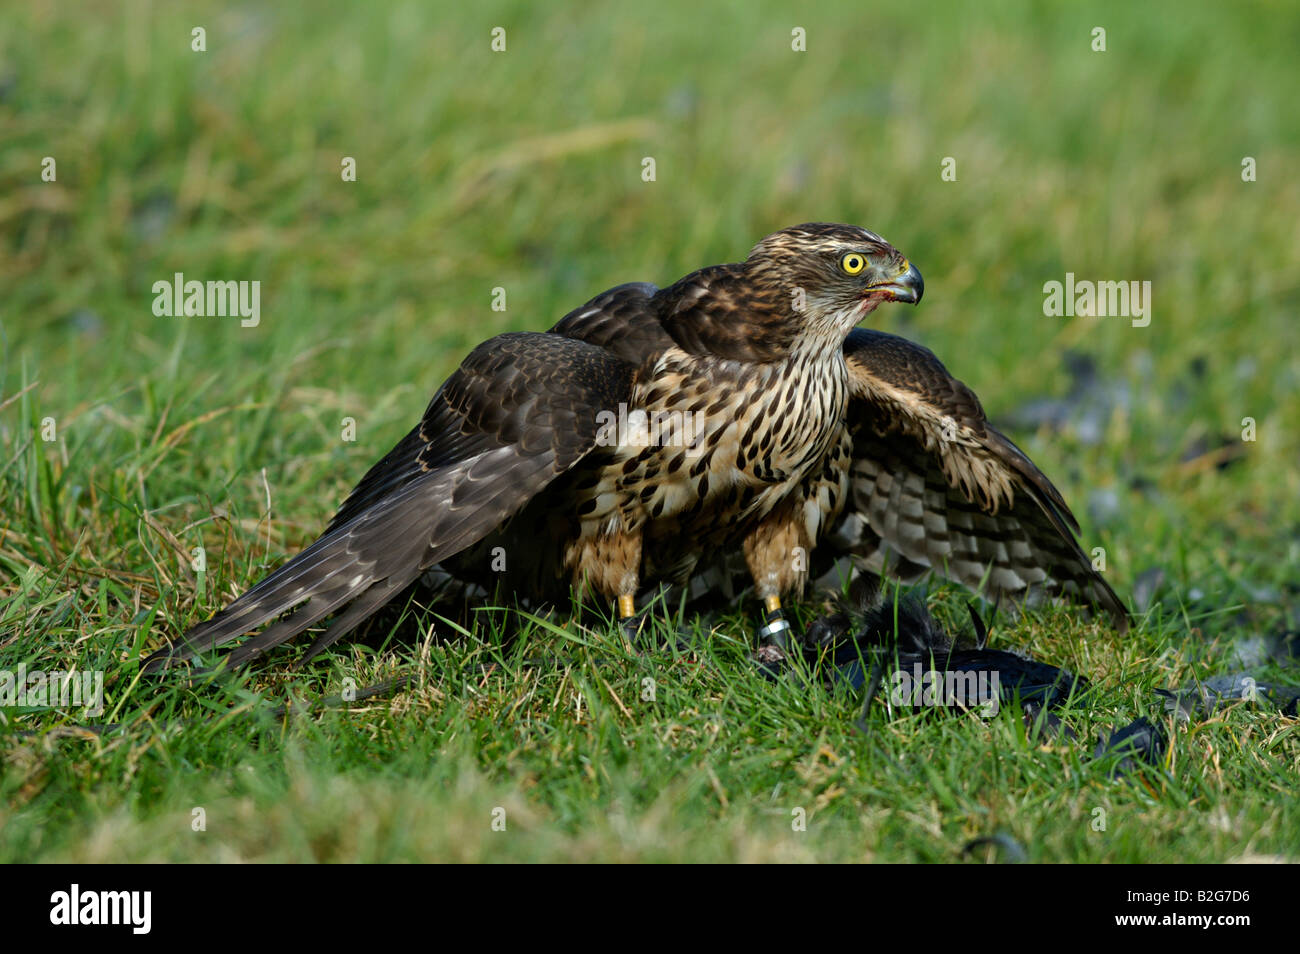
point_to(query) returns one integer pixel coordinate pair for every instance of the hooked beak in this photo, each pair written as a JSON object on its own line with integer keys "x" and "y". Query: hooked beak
{"x": 907, "y": 286}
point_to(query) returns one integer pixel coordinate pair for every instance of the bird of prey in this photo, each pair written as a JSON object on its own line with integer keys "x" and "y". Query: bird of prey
{"x": 652, "y": 429}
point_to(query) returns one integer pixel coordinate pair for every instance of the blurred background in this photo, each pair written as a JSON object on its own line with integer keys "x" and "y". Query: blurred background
{"x": 522, "y": 169}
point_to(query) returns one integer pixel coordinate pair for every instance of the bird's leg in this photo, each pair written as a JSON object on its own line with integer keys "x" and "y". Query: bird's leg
{"x": 775, "y": 626}
{"x": 777, "y": 556}
{"x": 609, "y": 564}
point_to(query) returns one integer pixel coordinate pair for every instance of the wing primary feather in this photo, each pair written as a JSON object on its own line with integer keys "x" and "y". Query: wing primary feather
{"x": 521, "y": 410}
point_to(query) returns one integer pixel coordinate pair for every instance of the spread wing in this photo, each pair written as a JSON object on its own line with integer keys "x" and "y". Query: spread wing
{"x": 520, "y": 411}
{"x": 933, "y": 486}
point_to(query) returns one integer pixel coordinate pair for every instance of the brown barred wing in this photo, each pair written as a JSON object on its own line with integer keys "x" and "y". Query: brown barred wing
{"x": 934, "y": 487}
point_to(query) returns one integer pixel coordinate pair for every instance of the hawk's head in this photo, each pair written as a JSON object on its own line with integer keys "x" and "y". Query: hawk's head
{"x": 801, "y": 289}
{"x": 838, "y": 270}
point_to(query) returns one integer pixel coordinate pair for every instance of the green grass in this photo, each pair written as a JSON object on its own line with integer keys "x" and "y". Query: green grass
{"x": 522, "y": 170}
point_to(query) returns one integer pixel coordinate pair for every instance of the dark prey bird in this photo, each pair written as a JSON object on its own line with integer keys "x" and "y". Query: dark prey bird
{"x": 653, "y": 430}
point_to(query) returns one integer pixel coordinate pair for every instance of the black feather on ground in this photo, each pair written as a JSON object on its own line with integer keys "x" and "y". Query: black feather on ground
{"x": 899, "y": 640}
{"x": 1141, "y": 742}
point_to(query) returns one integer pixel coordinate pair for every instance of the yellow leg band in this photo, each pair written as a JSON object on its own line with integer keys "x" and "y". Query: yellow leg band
{"x": 626, "y": 607}
{"x": 772, "y": 604}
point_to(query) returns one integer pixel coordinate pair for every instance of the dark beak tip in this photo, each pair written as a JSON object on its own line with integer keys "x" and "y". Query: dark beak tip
{"x": 912, "y": 278}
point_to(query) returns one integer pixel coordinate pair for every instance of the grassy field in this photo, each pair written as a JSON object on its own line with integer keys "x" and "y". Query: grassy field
{"x": 127, "y": 439}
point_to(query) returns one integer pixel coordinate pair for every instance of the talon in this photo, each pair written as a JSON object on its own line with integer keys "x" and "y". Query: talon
{"x": 771, "y": 661}
{"x": 631, "y": 627}
{"x": 636, "y": 627}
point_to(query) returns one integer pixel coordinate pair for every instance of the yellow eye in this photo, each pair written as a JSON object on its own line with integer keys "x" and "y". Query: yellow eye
{"x": 852, "y": 263}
